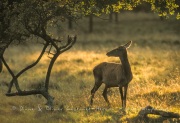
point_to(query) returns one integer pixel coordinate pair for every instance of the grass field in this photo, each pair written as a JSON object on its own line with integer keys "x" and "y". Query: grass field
{"x": 154, "y": 57}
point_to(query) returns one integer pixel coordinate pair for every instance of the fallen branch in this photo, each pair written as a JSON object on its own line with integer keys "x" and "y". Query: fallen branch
{"x": 34, "y": 92}
{"x": 24, "y": 93}
{"x": 150, "y": 110}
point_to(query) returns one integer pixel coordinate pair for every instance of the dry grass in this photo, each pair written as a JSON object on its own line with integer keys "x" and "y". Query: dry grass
{"x": 154, "y": 57}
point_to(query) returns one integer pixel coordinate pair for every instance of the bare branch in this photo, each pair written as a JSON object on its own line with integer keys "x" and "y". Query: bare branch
{"x": 49, "y": 57}
{"x": 34, "y": 92}
{"x": 33, "y": 64}
{"x": 47, "y": 38}
{"x": 50, "y": 53}
{"x": 14, "y": 79}
{"x": 60, "y": 50}
{"x": 68, "y": 45}
{"x": 7, "y": 66}
{"x": 53, "y": 59}
{"x": 24, "y": 93}
{"x": 49, "y": 49}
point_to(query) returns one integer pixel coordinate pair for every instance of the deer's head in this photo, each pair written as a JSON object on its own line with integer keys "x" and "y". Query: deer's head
{"x": 120, "y": 50}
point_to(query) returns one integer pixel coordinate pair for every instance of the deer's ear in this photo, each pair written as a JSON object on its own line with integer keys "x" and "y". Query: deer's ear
{"x": 127, "y": 45}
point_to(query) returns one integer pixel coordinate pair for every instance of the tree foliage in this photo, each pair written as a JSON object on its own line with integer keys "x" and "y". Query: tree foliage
{"x": 162, "y": 7}
{"x": 23, "y": 14}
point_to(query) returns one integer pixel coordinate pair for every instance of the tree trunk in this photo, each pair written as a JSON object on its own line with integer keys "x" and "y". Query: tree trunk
{"x": 50, "y": 69}
{"x": 91, "y": 23}
{"x": 110, "y": 17}
{"x": 44, "y": 90}
{"x": 70, "y": 26}
{"x": 116, "y": 17}
{"x": 162, "y": 18}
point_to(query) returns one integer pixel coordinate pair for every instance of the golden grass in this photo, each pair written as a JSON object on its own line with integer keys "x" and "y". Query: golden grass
{"x": 154, "y": 57}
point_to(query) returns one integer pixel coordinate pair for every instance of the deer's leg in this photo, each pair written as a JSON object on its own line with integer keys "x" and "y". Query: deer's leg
{"x": 95, "y": 88}
{"x": 105, "y": 95}
{"x": 124, "y": 97}
{"x": 121, "y": 94}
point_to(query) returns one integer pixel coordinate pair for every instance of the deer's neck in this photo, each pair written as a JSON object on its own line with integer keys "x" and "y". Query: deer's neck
{"x": 126, "y": 67}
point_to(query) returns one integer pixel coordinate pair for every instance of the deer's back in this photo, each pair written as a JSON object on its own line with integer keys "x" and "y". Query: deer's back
{"x": 109, "y": 73}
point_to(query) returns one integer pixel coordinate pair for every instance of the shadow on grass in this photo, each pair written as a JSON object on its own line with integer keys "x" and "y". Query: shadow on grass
{"x": 60, "y": 115}
{"x": 117, "y": 117}
{"x": 169, "y": 98}
{"x": 138, "y": 119}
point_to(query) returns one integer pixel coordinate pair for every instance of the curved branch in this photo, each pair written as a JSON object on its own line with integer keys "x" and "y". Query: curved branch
{"x": 33, "y": 64}
{"x": 69, "y": 44}
{"x": 14, "y": 79}
{"x": 24, "y": 93}
{"x": 7, "y": 66}
{"x": 50, "y": 69}
{"x": 60, "y": 50}
{"x": 47, "y": 38}
{"x": 48, "y": 97}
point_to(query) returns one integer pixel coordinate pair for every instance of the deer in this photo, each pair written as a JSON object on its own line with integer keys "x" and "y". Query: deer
{"x": 113, "y": 74}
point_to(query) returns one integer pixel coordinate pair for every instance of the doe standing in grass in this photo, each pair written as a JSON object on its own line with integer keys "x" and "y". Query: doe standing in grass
{"x": 113, "y": 74}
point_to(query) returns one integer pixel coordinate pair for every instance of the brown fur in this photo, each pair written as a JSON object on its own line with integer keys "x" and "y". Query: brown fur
{"x": 113, "y": 74}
